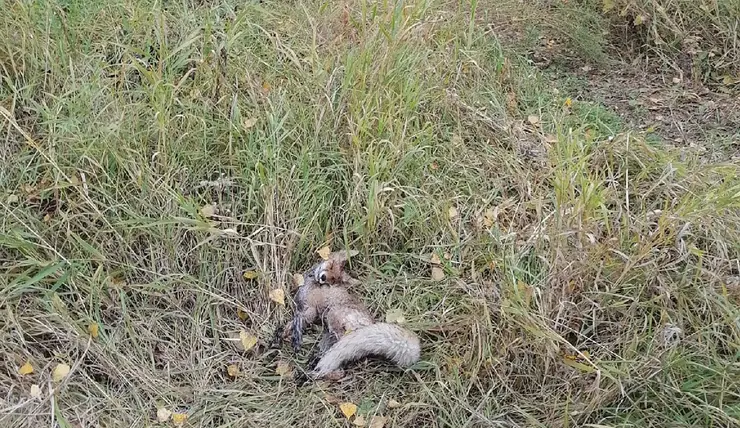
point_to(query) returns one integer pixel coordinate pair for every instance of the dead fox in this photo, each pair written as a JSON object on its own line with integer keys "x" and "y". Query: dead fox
{"x": 350, "y": 333}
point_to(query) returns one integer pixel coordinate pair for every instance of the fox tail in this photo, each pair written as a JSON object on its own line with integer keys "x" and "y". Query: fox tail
{"x": 391, "y": 341}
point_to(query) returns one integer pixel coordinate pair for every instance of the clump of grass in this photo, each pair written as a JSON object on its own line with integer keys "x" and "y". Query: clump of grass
{"x": 591, "y": 278}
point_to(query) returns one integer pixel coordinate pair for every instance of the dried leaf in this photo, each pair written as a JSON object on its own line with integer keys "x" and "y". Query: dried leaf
{"x": 250, "y": 274}
{"x": 298, "y": 279}
{"x": 489, "y": 217}
{"x": 35, "y": 391}
{"x": 434, "y": 259}
{"x": 359, "y": 421}
{"x": 438, "y": 274}
{"x": 208, "y": 211}
{"x": 452, "y": 212}
{"x": 248, "y": 123}
{"x": 568, "y": 102}
{"x": 533, "y": 119}
{"x": 93, "y": 329}
{"x": 377, "y": 422}
{"x": 607, "y": 5}
{"x": 639, "y": 19}
{"x": 11, "y": 199}
{"x": 393, "y": 404}
{"x": 395, "y": 316}
{"x": 266, "y": 87}
{"x": 25, "y": 369}
{"x": 324, "y": 252}
{"x": 163, "y": 415}
{"x": 233, "y": 370}
{"x": 573, "y": 361}
{"x": 241, "y": 314}
{"x": 248, "y": 340}
{"x": 179, "y": 419}
{"x": 60, "y": 372}
{"x": 282, "y": 368}
{"x": 348, "y": 409}
{"x": 278, "y": 296}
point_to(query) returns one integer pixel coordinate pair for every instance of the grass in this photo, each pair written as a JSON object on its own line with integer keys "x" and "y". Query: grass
{"x": 591, "y": 277}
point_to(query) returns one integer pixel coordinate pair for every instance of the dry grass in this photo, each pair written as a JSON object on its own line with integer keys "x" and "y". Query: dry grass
{"x": 574, "y": 237}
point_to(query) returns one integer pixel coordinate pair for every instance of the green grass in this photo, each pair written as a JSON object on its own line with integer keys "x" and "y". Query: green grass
{"x": 354, "y": 124}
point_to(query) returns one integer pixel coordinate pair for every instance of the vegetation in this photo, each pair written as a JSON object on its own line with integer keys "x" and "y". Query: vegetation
{"x": 154, "y": 152}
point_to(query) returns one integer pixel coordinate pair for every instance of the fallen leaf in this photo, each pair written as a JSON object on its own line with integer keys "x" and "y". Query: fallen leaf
{"x": 11, "y": 199}
{"x": 573, "y": 361}
{"x": 93, "y": 329}
{"x": 248, "y": 123}
{"x": 163, "y": 415}
{"x": 359, "y": 421}
{"x": 298, "y": 279}
{"x": 434, "y": 259}
{"x": 26, "y": 369}
{"x": 250, "y": 274}
{"x": 278, "y": 296}
{"x": 676, "y": 80}
{"x": 35, "y": 391}
{"x": 607, "y": 5}
{"x": 533, "y": 119}
{"x": 395, "y": 316}
{"x": 447, "y": 256}
{"x": 248, "y": 340}
{"x": 282, "y": 368}
{"x": 208, "y": 211}
{"x": 47, "y": 218}
{"x": 324, "y": 252}
{"x": 489, "y": 217}
{"x": 639, "y": 19}
{"x": 438, "y": 274}
{"x": 348, "y": 409}
{"x": 241, "y": 314}
{"x": 266, "y": 87}
{"x": 393, "y": 404}
{"x": 179, "y": 419}
{"x": 60, "y": 372}
{"x": 452, "y": 212}
{"x": 568, "y": 102}
{"x": 233, "y": 370}
{"x": 377, "y": 422}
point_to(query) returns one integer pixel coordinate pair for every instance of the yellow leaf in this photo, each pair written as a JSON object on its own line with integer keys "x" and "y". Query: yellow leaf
{"x": 278, "y": 296}
{"x": 568, "y": 102}
{"x": 250, "y": 274}
{"x": 572, "y": 361}
{"x": 298, "y": 279}
{"x": 377, "y": 422}
{"x": 233, "y": 370}
{"x": 324, "y": 252}
{"x": 248, "y": 123}
{"x": 163, "y": 415}
{"x": 241, "y": 314}
{"x": 348, "y": 409}
{"x": 607, "y": 5}
{"x": 93, "y": 329}
{"x": 639, "y": 20}
{"x": 359, "y": 421}
{"x": 489, "y": 217}
{"x": 47, "y": 218}
{"x": 266, "y": 87}
{"x": 248, "y": 340}
{"x": 392, "y": 404}
{"x": 35, "y": 391}
{"x": 208, "y": 211}
{"x": 533, "y": 119}
{"x": 282, "y": 368}
{"x": 26, "y": 369}
{"x": 60, "y": 372}
{"x": 434, "y": 259}
{"x": 395, "y": 316}
{"x": 179, "y": 419}
{"x": 452, "y": 212}
{"x": 438, "y": 274}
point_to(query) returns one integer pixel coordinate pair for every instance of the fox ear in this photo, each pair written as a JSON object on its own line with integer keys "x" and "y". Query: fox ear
{"x": 343, "y": 256}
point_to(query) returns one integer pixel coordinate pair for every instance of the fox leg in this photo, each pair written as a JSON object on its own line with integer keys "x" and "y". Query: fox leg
{"x": 298, "y": 325}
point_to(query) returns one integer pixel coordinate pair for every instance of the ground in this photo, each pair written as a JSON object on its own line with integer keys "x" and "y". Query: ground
{"x": 167, "y": 166}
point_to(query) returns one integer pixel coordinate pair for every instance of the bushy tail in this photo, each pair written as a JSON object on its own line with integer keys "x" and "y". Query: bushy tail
{"x": 387, "y": 340}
